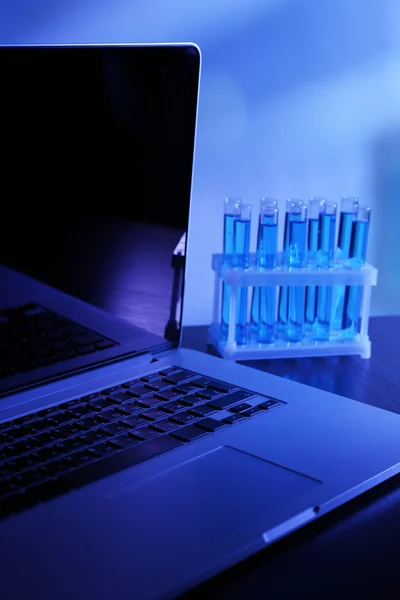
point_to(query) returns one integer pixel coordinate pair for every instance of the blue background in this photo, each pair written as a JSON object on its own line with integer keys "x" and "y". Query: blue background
{"x": 299, "y": 98}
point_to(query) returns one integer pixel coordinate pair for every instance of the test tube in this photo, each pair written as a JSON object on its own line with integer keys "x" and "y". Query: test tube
{"x": 315, "y": 207}
{"x": 325, "y": 259}
{"x": 283, "y": 305}
{"x": 242, "y": 226}
{"x": 358, "y": 255}
{"x": 297, "y": 259}
{"x": 268, "y": 247}
{"x": 348, "y": 213}
{"x": 267, "y": 206}
{"x": 231, "y": 213}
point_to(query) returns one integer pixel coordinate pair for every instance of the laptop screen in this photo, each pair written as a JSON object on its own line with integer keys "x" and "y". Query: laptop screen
{"x": 95, "y": 177}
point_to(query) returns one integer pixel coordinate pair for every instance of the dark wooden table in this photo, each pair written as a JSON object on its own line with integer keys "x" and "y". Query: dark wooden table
{"x": 354, "y": 551}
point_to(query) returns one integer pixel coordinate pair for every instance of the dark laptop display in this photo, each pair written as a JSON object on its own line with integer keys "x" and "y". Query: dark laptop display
{"x": 95, "y": 176}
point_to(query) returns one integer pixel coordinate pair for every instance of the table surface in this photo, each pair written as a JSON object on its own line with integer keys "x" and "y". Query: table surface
{"x": 353, "y": 551}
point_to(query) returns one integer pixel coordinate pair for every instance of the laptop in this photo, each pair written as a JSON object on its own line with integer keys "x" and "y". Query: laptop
{"x": 130, "y": 466}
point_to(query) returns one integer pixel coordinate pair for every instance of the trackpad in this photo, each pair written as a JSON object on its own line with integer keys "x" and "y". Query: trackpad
{"x": 218, "y": 499}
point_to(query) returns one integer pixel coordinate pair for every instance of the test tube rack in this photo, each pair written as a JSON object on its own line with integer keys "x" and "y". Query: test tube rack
{"x": 238, "y": 272}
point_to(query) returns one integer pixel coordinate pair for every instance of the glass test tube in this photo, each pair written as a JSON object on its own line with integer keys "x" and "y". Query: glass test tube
{"x": 348, "y": 213}
{"x": 358, "y": 255}
{"x": 297, "y": 259}
{"x": 231, "y": 213}
{"x": 268, "y": 247}
{"x": 283, "y": 305}
{"x": 325, "y": 260}
{"x": 315, "y": 207}
{"x": 255, "y": 300}
{"x": 242, "y": 227}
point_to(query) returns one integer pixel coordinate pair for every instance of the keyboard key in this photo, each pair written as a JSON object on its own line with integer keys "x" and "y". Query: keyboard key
{"x": 81, "y": 410}
{"x": 54, "y": 420}
{"x": 131, "y": 383}
{"x": 110, "y": 415}
{"x": 124, "y": 441}
{"x": 133, "y": 421}
{"x": 191, "y": 399}
{"x": 64, "y": 345}
{"x": 252, "y": 411}
{"x": 167, "y": 394}
{"x": 122, "y": 460}
{"x": 163, "y": 425}
{"x": 153, "y": 413}
{"x": 173, "y": 406}
{"x": 188, "y": 433}
{"x": 28, "y": 478}
{"x": 233, "y": 419}
{"x": 178, "y": 377}
{"x": 31, "y": 428}
{"x": 208, "y": 393}
{"x": 121, "y": 397}
{"x": 114, "y": 428}
{"x": 104, "y": 449}
{"x": 67, "y": 446}
{"x": 269, "y": 404}
{"x": 128, "y": 408}
{"x": 230, "y": 399}
{"x": 139, "y": 391}
{"x": 70, "y": 404}
{"x": 221, "y": 386}
{"x": 183, "y": 418}
{"x": 105, "y": 344}
{"x": 240, "y": 407}
{"x": 88, "y": 422}
{"x": 210, "y": 424}
{"x": 144, "y": 433}
{"x": 202, "y": 411}
{"x": 201, "y": 382}
{"x": 18, "y": 448}
{"x": 156, "y": 385}
{"x": 185, "y": 388}
{"x": 148, "y": 401}
{"x": 66, "y": 355}
{"x": 74, "y": 329}
{"x": 87, "y": 339}
{"x": 102, "y": 403}
{"x": 92, "y": 436}
{"x": 85, "y": 349}
{"x": 50, "y": 469}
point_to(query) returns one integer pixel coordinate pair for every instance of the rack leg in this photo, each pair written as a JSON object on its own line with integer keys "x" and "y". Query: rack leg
{"x": 232, "y": 316}
{"x": 365, "y": 310}
{"x": 217, "y": 299}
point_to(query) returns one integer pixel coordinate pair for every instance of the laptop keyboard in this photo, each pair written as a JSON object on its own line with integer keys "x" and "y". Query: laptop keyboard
{"x": 49, "y": 452}
{"x": 32, "y": 336}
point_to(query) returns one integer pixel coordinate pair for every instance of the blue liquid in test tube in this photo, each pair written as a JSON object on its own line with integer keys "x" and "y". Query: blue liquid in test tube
{"x": 264, "y": 298}
{"x": 315, "y": 207}
{"x": 242, "y": 227}
{"x": 283, "y": 306}
{"x": 348, "y": 215}
{"x": 231, "y": 214}
{"x": 325, "y": 260}
{"x": 358, "y": 254}
{"x": 297, "y": 259}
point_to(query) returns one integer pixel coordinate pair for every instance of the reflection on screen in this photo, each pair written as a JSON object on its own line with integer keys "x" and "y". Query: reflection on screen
{"x": 97, "y": 161}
